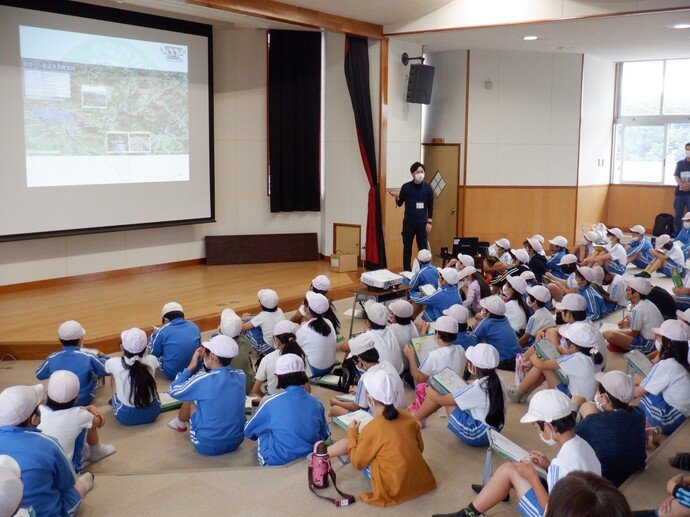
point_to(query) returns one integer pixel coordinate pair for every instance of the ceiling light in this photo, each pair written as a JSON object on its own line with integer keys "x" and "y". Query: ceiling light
{"x": 682, "y": 26}
{"x": 530, "y": 38}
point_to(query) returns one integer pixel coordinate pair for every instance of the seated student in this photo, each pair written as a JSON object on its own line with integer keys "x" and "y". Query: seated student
{"x": 494, "y": 328}
{"x": 614, "y": 429}
{"x": 584, "y": 276}
{"x": 537, "y": 260}
{"x": 366, "y": 358}
{"x": 540, "y": 239}
{"x": 559, "y": 249}
{"x": 613, "y": 290}
{"x": 135, "y": 394}
{"x": 538, "y": 298}
{"x": 549, "y": 412}
{"x": 85, "y": 365}
{"x": 639, "y": 247}
{"x": 665, "y": 389}
{"x": 585, "y": 246}
{"x": 636, "y": 329}
{"x": 427, "y": 274}
{"x": 231, "y": 326}
{"x": 461, "y": 262}
{"x": 445, "y": 356}
{"x": 319, "y": 285}
{"x": 614, "y": 259}
{"x": 287, "y": 424}
{"x": 683, "y": 237}
{"x": 577, "y": 365}
{"x": 175, "y": 342}
{"x": 517, "y": 310}
{"x": 583, "y": 494}
{"x": 214, "y": 399}
{"x": 402, "y": 326}
{"x": 284, "y": 342}
{"x": 446, "y": 295}
{"x": 499, "y": 258}
{"x": 317, "y": 336}
{"x": 11, "y": 488}
{"x": 681, "y": 295}
{"x": 50, "y": 484}
{"x": 465, "y": 337}
{"x": 389, "y": 449}
{"x": 480, "y": 406}
{"x": 559, "y": 287}
{"x": 666, "y": 256}
{"x": 259, "y": 328}
{"x": 73, "y": 427}
{"x": 516, "y": 269}
{"x": 473, "y": 287}
{"x": 677, "y": 504}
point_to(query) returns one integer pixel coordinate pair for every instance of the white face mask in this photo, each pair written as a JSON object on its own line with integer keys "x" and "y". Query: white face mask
{"x": 686, "y": 225}
{"x": 687, "y": 153}
{"x": 549, "y": 441}
{"x": 598, "y": 404}
{"x": 657, "y": 344}
{"x": 418, "y": 177}
{"x": 206, "y": 364}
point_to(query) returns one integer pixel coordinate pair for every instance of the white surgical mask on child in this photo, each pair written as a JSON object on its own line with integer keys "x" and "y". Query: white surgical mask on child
{"x": 418, "y": 177}
{"x": 686, "y": 225}
{"x": 598, "y": 404}
{"x": 687, "y": 154}
{"x": 657, "y": 344}
{"x": 549, "y": 441}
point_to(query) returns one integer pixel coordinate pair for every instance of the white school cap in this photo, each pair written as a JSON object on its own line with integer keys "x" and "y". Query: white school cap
{"x": 536, "y": 245}
{"x": 539, "y": 292}
{"x": 684, "y": 316}
{"x": 322, "y": 283}
{"x": 359, "y": 344}
{"x": 580, "y": 333}
{"x": 518, "y": 283}
{"x": 662, "y": 240}
{"x": 11, "y": 486}
{"x": 381, "y": 387}
{"x": 673, "y": 330}
{"x": 466, "y": 271}
{"x": 638, "y": 228}
{"x": 618, "y": 384}
{"x": 547, "y": 406}
{"x": 450, "y": 275}
{"x": 572, "y": 302}
{"x": 587, "y": 273}
{"x": 318, "y": 303}
{"x": 641, "y": 285}
{"x": 222, "y": 346}
{"x": 133, "y": 340}
{"x": 540, "y": 238}
{"x": 63, "y": 386}
{"x": 503, "y": 243}
{"x": 528, "y": 275}
{"x": 483, "y": 355}
{"x": 401, "y": 308}
{"x": 599, "y": 274}
{"x": 559, "y": 240}
{"x": 268, "y": 298}
{"x": 284, "y": 327}
{"x": 616, "y": 232}
{"x": 70, "y": 330}
{"x": 458, "y": 312}
{"x": 230, "y": 323}
{"x": 521, "y": 255}
{"x": 591, "y": 236}
{"x": 424, "y": 256}
{"x": 568, "y": 259}
{"x": 494, "y": 304}
{"x": 686, "y": 217}
{"x": 289, "y": 363}
{"x": 17, "y": 403}
{"x": 466, "y": 260}
{"x": 446, "y": 324}
{"x": 171, "y": 307}
{"x": 376, "y": 312}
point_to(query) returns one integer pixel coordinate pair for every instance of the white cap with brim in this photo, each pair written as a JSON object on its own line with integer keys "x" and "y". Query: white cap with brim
{"x": 458, "y": 312}
{"x": 559, "y": 240}
{"x": 230, "y": 323}
{"x": 568, "y": 259}
{"x": 134, "y": 340}
{"x": 572, "y": 302}
{"x": 376, "y": 312}
{"x": 539, "y": 292}
{"x": 424, "y": 256}
{"x": 318, "y": 303}
{"x": 581, "y": 334}
{"x": 483, "y": 355}
{"x": 401, "y": 308}
{"x": 466, "y": 260}
{"x": 591, "y": 236}
{"x": 70, "y": 330}
{"x": 618, "y": 384}
{"x": 503, "y": 243}
{"x": 446, "y": 324}
{"x": 63, "y": 386}
{"x": 466, "y": 271}
{"x": 289, "y": 363}
{"x": 547, "y": 406}
{"x": 684, "y": 316}
{"x": 638, "y": 228}
{"x": 380, "y": 387}
{"x": 322, "y": 283}
{"x": 284, "y": 327}
{"x": 17, "y": 403}
{"x": 450, "y": 275}
{"x": 359, "y": 344}
{"x": 521, "y": 255}
{"x": 171, "y": 307}
{"x": 268, "y": 298}
{"x": 616, "y": 232}
{"x": 662, "y": 240}
{"x": 222, "y": 346}
{"x": 536, "y": 245}
{"x": 686, "y": 217}
{"x": 587, "y": 273}
{"x": 599, "y": 274}
{"x": 641, "y": 285}
{"x": 518, "y": 283}
{"x": 672, "y": 329}
{"x": 11, "y": 486}
{"x": 494, "y": 305}
{"x": 528, "y": 275}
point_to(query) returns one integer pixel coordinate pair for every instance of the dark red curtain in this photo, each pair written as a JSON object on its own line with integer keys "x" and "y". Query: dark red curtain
{"x": 357, "y": 77}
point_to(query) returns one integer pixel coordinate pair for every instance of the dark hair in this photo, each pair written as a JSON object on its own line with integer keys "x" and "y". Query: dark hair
{"x": 583, "y": 494}
{"x": 374, "y": 326}
{"x": 520, "y": 299}
{"x": 27, "y": 422}
{"x": 292, "y": 379}
{"x": 58, "y": 406}
{"x": 266, "y": 309}
{"x": 70, "y": 342}
{"x": 539, "y": 303}
{"x": 569, "y": 268}
{"x": 318, "y": 323}
{"x": 403, "y": 321}
{"x": 447, "y": 337}
{"x": 332, "y": 316}
{"x": 462, "y": 327}
{"x": 579, "y": 276}
{"x": 317, "y": 291}
{"x": 142, "y": 382}
{"x": 369, "y": 356}
{"x": 496, "y": 416}
{"x": 616, "y": 403}
{"x": 561, "y": 425}
{"x": 291, "y": 346}
{"x": 225, "y": 361}
{"x": 415, "y": 166}
{"x": 173, "y": 315}
{"x": 496, "y": 316}
{"x": 484, "y": 289}
{"x": 597, "y": 358}
{"x": 677, "y": 350}
{"x": 579, "y": 315}
{"x": 390, "y": 412}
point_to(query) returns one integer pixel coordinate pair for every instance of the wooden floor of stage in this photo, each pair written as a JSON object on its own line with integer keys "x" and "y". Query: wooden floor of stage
{"x": 109, "y": 304}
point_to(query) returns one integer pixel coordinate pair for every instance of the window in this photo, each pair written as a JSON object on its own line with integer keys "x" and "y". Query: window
{"x": 653, "y": 121}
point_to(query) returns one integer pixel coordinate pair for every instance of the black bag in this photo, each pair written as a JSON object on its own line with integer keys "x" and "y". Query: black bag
{"x": 348, "y": 375}
{"x": 663, "y": 224}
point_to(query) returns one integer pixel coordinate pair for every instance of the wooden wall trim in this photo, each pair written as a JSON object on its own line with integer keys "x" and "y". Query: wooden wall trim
{"x": 278, "y": 11}
{"x": 638, "y": 185}
{"x": 463, "y": 193}
{"x": 91, "y": 277}
{"x": 521, "y": 187}
{"x": 598, "y": 185}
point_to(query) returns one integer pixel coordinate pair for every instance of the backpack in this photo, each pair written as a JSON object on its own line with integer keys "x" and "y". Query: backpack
{"x": 319, "y": 470}
{"x": 663, "y": 224}
{"x": 348, "y": 376}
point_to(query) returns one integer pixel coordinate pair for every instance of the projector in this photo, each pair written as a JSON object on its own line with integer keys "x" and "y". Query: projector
{"x": 381, "y": 279}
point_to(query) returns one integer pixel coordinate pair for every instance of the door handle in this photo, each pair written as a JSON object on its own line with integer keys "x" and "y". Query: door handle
{"x": 452, "y": 210}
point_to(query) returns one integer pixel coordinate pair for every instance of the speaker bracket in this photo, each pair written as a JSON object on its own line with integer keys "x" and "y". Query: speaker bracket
{"x": 406, "y": 59}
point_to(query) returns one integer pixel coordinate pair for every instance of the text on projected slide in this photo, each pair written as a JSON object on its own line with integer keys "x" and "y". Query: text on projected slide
{"x": 103, "y": 110}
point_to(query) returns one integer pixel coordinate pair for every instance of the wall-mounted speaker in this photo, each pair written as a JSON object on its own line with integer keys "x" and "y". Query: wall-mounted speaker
{"x": 420, "y": 83}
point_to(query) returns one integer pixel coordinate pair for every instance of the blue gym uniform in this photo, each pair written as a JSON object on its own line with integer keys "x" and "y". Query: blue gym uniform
{"x": 596, "y": 308}
{"x": 466, "y": 339}
{"x": 642, "y": 247}
{"x": 174, "y": 345}
{"x": 553, "y": 267}
{"x": 436, "y": 303}
{"x": 217, "y": 426}
{"x": 85, "y": 365}
{"x": 427, "y": 274}
{"x": 46, "y": 472}
{"x": 499, "y": 333}
{"x": 287, "y": 425}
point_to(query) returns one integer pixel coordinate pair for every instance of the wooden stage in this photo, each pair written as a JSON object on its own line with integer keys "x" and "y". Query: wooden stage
{"x": 108, "y": 303}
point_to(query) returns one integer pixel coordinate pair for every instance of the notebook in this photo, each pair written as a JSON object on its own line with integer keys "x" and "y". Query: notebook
{"x": 407, "y": 274}
{"x": 446, "y": 381}
{"x": 363, "y": 416}
{"x": 422, "y": 346}
{"x": 546, "y": 351}
{"x": 510, "y": 451}
{"x": 427, "y": 289}
{"x": 168, "y": 403}
{"x": 637, "y": 362}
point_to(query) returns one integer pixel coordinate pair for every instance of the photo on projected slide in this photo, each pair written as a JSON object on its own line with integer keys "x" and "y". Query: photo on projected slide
{"x": 103, "y": 110}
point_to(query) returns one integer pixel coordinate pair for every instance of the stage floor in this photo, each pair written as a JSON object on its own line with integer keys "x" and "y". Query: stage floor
{"x": 106, "y": 306}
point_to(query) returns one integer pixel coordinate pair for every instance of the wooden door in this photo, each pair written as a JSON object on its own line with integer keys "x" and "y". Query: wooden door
{"x": 442, "y": 162}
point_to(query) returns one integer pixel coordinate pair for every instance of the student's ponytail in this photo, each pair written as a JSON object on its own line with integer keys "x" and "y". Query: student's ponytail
{"x": 496, "y": 416}
{"x": 332, "y": 316}
{"x": 142, "y": 382}
{"x": 596, "y": 356}
{"x": 319, "y": 325}
{"x": 291, "y": 346}
{"x": 390, "y": 412}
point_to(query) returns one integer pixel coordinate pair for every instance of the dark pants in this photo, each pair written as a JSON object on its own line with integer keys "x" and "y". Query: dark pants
{"x": 680, "y": 205}
{"x": 409, "y": 232}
